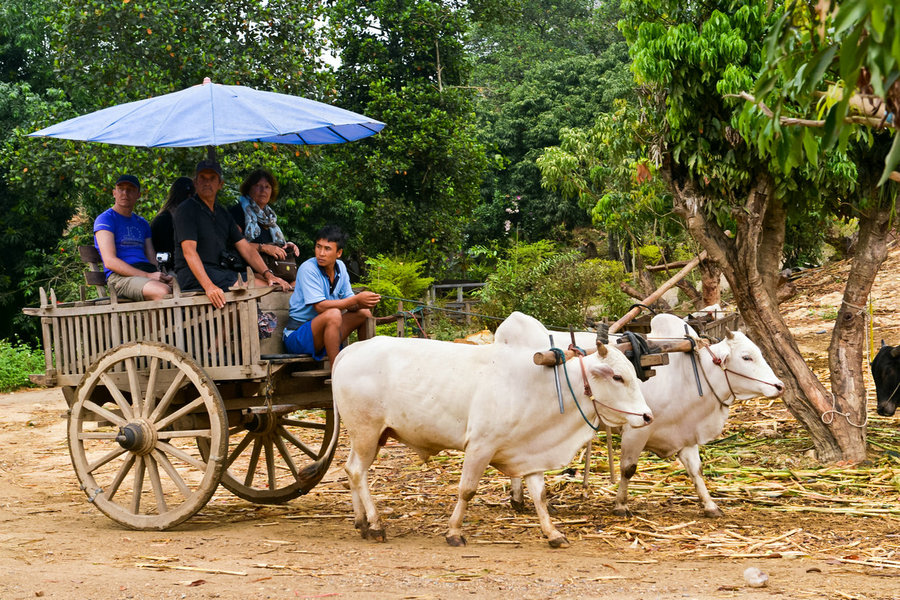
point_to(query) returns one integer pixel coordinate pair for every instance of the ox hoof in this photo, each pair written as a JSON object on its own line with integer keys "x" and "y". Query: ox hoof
{"x": 713, "y": 513}
{"x": 517, "y": 505}
{"x": 456, "y": 540}
{"x": 622, "y": 512}
{"x": 376, "y": 535}
{"x": 559, "y": 542}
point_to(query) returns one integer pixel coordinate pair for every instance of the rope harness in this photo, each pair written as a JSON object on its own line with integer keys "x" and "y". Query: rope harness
{"x": 725, "y": 370}
{"x": 588, "y": 392}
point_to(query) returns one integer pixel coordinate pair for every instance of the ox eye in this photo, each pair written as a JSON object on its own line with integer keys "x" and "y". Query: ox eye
{"x": 747, "y": 357}
{"x": 618, "y": 378}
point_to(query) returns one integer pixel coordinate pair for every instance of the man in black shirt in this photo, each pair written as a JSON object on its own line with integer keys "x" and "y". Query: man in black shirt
{"x": 203, "y": 231}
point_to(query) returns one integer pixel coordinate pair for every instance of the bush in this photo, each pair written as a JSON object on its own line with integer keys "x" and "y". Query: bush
{"x": 395, "y": 278}
{"x": 17, "y": 362}
{"x": 553, "y": 286}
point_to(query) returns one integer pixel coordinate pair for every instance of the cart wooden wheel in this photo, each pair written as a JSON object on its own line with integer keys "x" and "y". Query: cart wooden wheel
{"x": 137, "y": 412}
{"x": 277, "y": 455}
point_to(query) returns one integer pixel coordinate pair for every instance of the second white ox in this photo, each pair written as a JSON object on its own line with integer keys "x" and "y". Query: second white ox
{"x": 684, "y": 420}
{"x": 491, "y": 401}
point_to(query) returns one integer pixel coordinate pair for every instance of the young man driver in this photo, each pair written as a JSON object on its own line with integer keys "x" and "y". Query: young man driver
{"x": 324, "y": 310}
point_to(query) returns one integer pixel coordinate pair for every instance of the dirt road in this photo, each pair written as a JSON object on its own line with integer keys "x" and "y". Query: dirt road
{"x": 54, "y": 544}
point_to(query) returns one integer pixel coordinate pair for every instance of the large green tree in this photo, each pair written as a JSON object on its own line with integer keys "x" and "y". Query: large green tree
{"x": 540, "y": 67}
{"x": 404, "y": 63}
{"x": 734, "y": 199}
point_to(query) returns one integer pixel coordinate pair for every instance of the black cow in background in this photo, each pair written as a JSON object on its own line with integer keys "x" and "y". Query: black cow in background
{"x": 886, "y": 373}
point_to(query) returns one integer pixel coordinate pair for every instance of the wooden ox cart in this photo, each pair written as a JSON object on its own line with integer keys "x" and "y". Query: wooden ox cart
{"x": 168, "y": 399}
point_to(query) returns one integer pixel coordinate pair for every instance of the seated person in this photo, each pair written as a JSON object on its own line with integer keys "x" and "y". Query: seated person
{"x": 125, "y": 245}
{"x": 323, "y": 309}
{"x": 204, "y": 230}
{"x": 162, "y": 226}
{"x": 257, "y": 219}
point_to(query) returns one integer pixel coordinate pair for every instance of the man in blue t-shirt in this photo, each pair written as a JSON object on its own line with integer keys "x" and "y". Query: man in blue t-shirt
{"x": 324, "y": 310}
{"x": 125, "y": 245}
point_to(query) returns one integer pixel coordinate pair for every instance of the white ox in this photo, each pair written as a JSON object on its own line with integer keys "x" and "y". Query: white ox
{"x": 491, "y": 401}
{"x": 733, "y": 369}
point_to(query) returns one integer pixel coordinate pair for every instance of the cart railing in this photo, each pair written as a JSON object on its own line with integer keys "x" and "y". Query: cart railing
{"x": 224, "y": 342}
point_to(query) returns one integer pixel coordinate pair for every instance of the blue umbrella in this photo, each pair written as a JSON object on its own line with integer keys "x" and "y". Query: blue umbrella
{"x": 212, "y": 114}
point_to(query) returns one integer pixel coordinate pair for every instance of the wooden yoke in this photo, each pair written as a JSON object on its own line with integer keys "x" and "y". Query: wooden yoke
{"x": 547, "y": 358}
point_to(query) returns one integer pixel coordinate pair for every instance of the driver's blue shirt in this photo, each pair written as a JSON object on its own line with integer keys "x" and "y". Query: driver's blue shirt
{"x": 313, "y": 286}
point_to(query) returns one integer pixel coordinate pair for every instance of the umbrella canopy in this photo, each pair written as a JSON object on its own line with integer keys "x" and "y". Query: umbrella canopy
{"x": 212, "y": 114}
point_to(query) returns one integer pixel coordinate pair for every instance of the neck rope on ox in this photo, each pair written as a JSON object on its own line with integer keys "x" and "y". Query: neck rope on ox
{"x": 590, "y": 394}
{"x": 720, "y": 363}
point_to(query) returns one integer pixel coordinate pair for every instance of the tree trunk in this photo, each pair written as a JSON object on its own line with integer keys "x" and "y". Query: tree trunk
{"x": 709, "y": 280}
{"x": 845, "y": 354}
{"x": 740, "y": 260}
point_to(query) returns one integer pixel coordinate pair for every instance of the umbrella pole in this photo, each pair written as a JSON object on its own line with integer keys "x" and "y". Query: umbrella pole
{"x": 211, "y": 153}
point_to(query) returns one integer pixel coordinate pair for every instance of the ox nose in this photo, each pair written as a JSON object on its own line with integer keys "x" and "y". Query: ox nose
{"x": 779, "y": 387}
{"x": 648, "y": 418}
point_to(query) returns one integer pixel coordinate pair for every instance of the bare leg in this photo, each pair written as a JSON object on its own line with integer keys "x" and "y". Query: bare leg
{"x": 690, "y": 458}
{"x": 365, "y": 513}
{"x": 474, "y": 464}
{"x": 538, "y": 492}
{"x": 517, "y": 494}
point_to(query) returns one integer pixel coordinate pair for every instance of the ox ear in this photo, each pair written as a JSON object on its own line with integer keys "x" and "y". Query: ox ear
{"x": 602, "y": 350}
{"x": 895, "y": 352}
{"x": 602, "y": 371}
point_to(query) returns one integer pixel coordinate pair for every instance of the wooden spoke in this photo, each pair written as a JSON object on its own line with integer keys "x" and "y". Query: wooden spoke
{"x": 270, "y": 463}
{"x": 112, "y": 454}
{"x": 254, "y": 460}
{"x": 304, "y": 424}
{"x": 138, "y": 487}
{"x": 144, "y": 475}
{"x": 286, "y": 456}
{"x": 156, "y": 484}
{"x": 181, "y": 455}
{"x": 102, "y": 412}
{"x": 172, "y": 473}
{"x": 237, "y": 451}
{"x": 120, "y": 477}
{"x": 150, "y": 396}
{"x": 290, "y": 437}
{"x": 184, "y": 433}
{"x": 134, "y": 386}
{"x": 97, "y": 435}
{"x": 167, "y": 397}
{"x": 188, "y": 408}
{"x": 114, "y": 391}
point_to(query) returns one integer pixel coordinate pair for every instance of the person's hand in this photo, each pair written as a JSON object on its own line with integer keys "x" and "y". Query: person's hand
{"x": 160, "y": 276}
{"x": 367, "y": 299}
{"x": 216, "y": 296}
{"x": 271, "y": 279}
{"x": 292, "y": 247}
{"x": 274, "y": 251}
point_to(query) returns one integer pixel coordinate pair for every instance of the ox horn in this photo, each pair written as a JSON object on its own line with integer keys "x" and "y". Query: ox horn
{"x": 602, "y": 350}
{"x": 895, "y": 352}
{"x": 729, "y": 334}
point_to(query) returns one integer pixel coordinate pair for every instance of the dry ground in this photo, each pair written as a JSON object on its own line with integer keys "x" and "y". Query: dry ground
{"x": 818, "y": 532}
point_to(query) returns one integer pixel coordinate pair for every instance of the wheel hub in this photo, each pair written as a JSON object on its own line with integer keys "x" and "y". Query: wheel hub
{"x": 137, "y": 437}
{"x": 261, "y": 423}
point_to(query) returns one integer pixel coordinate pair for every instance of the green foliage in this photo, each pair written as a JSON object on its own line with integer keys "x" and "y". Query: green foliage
{"x": 397, "y": 278}
{"x": 611, "y": 170}
{"x": 544, "y": 67}
{"x": 403, "y": 63}
{"x": 17, "y": 362}
{"x": 553, "y": 286}
{"x": 815, "y": 63}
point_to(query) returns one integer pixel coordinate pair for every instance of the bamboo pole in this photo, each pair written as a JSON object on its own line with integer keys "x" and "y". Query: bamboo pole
{"x": 665, "y": 287}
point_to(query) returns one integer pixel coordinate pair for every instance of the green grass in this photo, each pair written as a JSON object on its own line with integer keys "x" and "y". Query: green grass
{"x": 17, "y": 362}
